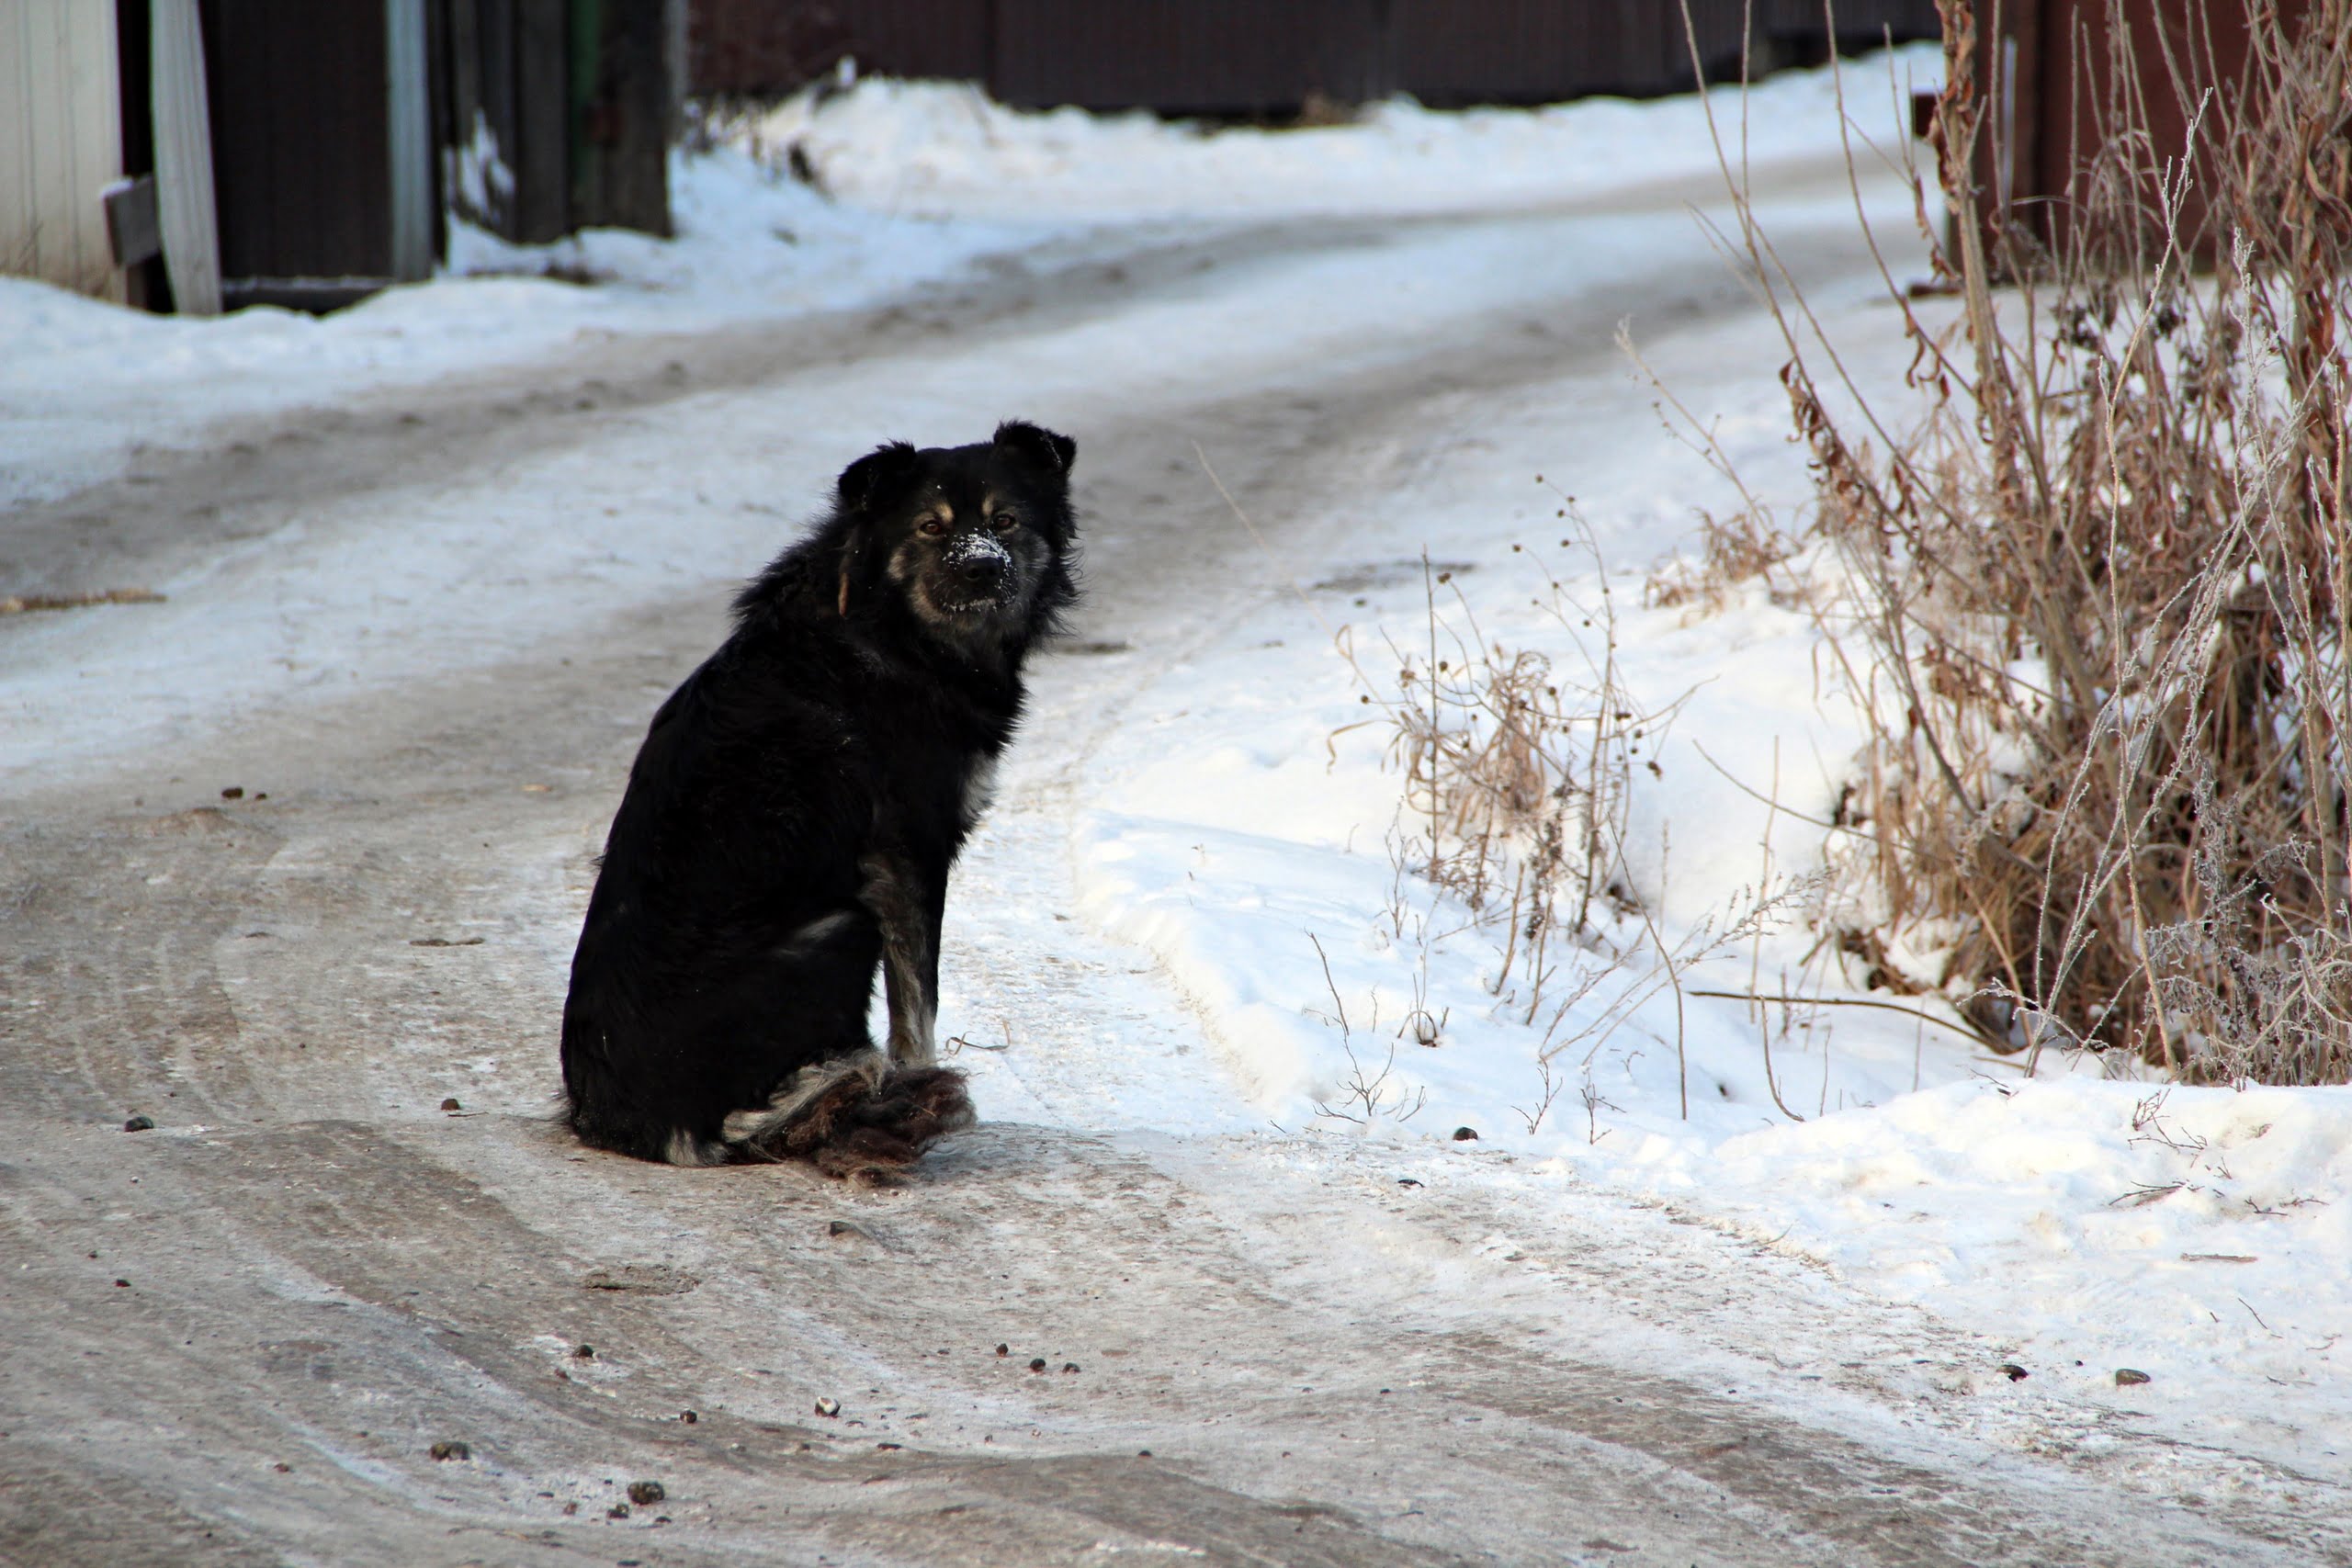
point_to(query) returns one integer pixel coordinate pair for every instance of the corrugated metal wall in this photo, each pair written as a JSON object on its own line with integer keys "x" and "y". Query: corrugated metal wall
{"x": 1240, "y": 57}
{"x": 61, "y": 142}
{"x": 1187, "y": 56}
{"x": 734, "y": 46}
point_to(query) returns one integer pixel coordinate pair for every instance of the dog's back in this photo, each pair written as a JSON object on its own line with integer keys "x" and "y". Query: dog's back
{"x": 690, "y": 953}
{"x": 790, "y": 820}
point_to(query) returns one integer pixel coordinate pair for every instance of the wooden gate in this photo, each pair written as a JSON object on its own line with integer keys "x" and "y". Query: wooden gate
{"x": 558, "y": 114}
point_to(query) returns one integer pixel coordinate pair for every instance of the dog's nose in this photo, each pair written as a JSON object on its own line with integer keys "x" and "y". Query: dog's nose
{"x": 981, "y": 570}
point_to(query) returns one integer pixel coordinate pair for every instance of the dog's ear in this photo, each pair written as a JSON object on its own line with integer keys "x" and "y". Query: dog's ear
{"x": 866, "y": 486}
{"x": 1049, "y": 449}
{"x": 868, "y": 482}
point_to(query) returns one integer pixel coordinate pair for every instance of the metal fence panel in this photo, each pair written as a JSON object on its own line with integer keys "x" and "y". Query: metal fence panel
{"x": 1248, "y": 56}
{"x": 61, "y": 142}
{"x": 300, "y": 144}
{"x": 765, "y": 46}
{"x": 1448, "y": 53}
{"x": 1187, "y": 56}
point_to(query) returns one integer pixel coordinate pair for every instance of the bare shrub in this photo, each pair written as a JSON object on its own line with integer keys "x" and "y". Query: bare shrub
{"x": 1738, "y": 547}
{"x": 1366, "y": 1095}
{"x": 2102, "y": 574}
{"x": 1517, "y": 765}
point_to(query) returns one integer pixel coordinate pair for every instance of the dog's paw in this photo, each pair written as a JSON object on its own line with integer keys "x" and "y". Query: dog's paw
{"x": 872, "y": 1133}
{"x": 921, "y": 1106}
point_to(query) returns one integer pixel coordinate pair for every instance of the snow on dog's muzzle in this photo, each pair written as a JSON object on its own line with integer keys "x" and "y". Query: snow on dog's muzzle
{"x": 978, "y": 568}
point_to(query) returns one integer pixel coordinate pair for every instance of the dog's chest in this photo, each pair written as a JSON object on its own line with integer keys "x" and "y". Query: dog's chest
{"x": 979, "y": 789}
{"x": 935, "y": 773}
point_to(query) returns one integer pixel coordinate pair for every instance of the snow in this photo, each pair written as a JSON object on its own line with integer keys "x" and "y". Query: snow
{"x": 1237, "y": 825}
{"x": 2198, "y": 1235}
{"x": 2163, "y": 1229}
{"x": 84, "y": 386}
{"x": 944, "y": 148}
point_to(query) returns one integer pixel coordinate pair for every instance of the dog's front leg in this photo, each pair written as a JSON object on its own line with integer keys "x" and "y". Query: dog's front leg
{"x": 908, "y": 911}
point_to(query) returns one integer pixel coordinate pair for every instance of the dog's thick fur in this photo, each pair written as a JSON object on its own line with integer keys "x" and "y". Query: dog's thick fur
{"x": 793, "y": 814}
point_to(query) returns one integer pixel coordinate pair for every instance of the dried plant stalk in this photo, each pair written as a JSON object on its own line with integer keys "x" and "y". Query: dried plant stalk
{"x": 2097, "y": 624}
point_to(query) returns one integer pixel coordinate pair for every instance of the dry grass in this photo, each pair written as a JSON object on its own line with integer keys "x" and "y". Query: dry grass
{"x": 1736, "y": 547}
{"x": 24, "y": 603}
{"x": 2102, "y": 574}
{"x": 1518, "y": 766}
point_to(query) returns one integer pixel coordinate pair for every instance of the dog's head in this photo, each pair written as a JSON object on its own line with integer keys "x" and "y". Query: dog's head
{"x": 975, "y": 541}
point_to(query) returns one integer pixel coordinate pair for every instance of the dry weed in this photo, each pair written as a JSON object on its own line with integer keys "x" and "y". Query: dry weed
{"x": 2101, "y": 577}
{"x": 1518, "y": 767}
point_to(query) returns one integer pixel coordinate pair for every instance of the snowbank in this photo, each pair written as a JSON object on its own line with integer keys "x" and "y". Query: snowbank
{"x": 946, "y": 148}
{"x": 1244, "y": 830}
{"x": 925, "y": 180}
{"x": 83, "y": 385}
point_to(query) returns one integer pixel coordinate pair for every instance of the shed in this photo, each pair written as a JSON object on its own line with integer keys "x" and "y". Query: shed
{"x": 60, "y": 143}
{"x": 196, "y": 153}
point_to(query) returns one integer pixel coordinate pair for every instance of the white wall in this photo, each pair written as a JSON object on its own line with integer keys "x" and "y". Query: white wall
{"x": 60, "y": 141}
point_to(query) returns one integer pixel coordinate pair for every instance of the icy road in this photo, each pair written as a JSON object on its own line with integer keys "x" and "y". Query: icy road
{"x": 291, "y": 863}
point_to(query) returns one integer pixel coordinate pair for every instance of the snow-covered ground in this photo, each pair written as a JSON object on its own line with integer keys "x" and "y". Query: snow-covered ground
{"x": 932, "y": 149}
{"x": 1238, "y": 827}
{"x": 2095, "y": 1224}
{"x": 933, "y": 177}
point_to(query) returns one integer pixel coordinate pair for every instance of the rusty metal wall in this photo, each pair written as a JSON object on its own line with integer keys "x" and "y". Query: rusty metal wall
{"x": 1256, "y": 57}
{"x": 2066, "y": 84}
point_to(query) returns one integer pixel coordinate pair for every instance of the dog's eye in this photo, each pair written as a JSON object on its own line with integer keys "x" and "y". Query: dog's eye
{"x": 1005, "y": 521}
{"x": 932, "y": 526}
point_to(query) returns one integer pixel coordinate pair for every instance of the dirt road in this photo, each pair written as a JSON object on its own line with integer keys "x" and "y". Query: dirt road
{"x": 240, "y": 1336}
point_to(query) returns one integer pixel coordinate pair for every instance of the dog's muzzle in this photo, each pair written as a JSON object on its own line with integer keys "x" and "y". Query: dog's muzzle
{"x": 978, "y": 571}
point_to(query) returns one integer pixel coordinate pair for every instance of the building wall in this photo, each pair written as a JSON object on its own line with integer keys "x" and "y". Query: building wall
{"x": 61, "y": 142}
{"x": 1269, "y": 56}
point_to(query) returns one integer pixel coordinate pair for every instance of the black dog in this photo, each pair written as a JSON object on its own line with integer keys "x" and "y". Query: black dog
{"x": 793, "y": 814}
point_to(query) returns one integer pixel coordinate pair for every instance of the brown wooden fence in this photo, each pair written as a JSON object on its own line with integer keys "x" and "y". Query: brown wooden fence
{"x": 1253, "y": 57}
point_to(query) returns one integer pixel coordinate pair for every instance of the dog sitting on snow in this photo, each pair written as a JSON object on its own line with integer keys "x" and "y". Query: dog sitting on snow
{"x": 793, "y": 814}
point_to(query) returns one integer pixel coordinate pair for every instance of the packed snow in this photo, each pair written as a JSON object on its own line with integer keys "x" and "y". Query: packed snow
{"x": 939, "y": 148}
{"x": 2094, "y": 1221}
{"x": 1243, "y": 826}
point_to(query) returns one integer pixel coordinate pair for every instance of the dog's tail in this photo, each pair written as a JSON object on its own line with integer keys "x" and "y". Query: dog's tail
{"x": 858, "y": 1117}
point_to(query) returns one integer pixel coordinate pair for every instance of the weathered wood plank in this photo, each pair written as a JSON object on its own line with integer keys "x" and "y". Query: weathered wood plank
{"x": 134, "y": 228}
{"x": 408, "y": 116}
{"x": 620, "y": 174}
{"x": 184, "y": 159}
